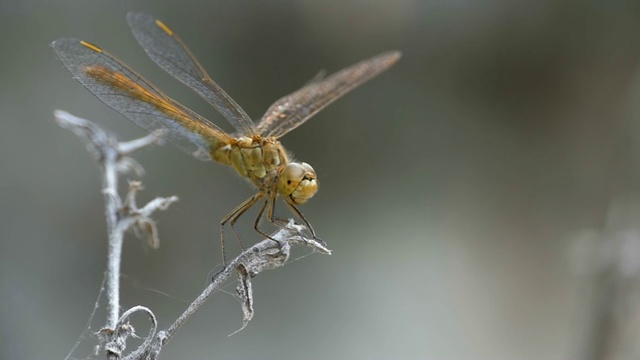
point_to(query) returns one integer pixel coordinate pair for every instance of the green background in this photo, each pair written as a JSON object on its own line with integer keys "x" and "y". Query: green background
{"x": 466, "y": 192}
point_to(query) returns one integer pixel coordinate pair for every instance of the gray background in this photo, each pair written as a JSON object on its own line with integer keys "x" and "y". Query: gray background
{"x": 466, "y": 192}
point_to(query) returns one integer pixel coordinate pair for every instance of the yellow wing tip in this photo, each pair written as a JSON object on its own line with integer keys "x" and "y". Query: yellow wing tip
{"x": 394, "y": 55}
{"x": 91, "y": 46}
{"x": 164, "y": 27}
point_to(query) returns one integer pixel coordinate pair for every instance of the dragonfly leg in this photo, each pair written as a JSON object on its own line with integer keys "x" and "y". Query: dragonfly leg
{"x": 232, "y": 217}
{"x": 270, "y": 215}
{"x": 306, "y": 222}
{"x": 256, "y": 222}
{"x": 282, "y": 222}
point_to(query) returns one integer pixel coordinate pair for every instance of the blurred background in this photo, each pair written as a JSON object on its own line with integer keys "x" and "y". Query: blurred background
{"x": 482, "y": 197}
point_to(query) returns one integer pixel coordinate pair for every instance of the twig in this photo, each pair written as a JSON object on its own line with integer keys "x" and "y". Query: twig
{"x": 267, "y": 254}
{"x": 113, "y": 160}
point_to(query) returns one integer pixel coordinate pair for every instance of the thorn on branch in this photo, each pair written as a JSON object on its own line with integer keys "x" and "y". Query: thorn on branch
{"x": 245, "y": 291}
{"x": 140, "y": 219}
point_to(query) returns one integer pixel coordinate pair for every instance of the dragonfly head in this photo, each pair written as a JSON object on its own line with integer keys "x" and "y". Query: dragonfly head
{"x": 298, "y": 181}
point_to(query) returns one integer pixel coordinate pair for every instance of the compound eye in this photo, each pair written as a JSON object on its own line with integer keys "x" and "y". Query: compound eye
{"x": 298, "y": 182}
{"x": 289, "y": 178}
{"x": 309, "y": 172}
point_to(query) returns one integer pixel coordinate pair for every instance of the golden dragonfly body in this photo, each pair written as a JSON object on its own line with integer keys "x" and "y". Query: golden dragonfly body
{"x": 255, "y": 152}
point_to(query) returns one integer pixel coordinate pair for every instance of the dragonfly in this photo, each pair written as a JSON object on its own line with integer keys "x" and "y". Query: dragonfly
{"x": 254, "y": 150}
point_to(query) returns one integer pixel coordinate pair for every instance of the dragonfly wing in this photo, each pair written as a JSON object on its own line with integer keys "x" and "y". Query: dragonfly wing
{"x": 128, "y": 93}
{"x": 293, "y": 110}
{"x": 172, "y": 55}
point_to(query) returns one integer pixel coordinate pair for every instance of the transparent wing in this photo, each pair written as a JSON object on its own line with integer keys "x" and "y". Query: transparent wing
{"x": 172, "y": 55}
{"x": 126, "y": 92}
{"x": 293, "y": 110}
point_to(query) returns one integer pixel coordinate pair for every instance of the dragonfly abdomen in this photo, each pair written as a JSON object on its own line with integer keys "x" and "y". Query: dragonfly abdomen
{"x": 255, "y": 159}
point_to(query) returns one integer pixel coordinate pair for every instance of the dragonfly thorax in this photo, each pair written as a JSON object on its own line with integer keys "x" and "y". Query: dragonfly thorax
{"x": 257, "y": 158}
